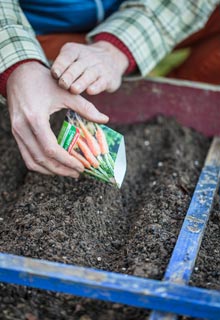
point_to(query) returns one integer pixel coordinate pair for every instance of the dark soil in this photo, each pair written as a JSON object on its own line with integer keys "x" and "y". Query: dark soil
{"x": 88, "y": 223}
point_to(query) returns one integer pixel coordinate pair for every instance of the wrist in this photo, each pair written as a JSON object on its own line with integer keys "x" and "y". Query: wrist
{"x": 23, "y": 69}
{"x": 4, "y": 77}
{"x": 114, "y": 40}
{"x": 117, "y": 55}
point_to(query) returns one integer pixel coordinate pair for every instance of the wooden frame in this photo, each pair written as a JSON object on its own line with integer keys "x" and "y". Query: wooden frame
{"x": 193, "y": 105}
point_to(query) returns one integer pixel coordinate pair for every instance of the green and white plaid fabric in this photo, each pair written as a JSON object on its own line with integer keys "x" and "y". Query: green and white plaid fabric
{"x": 152, "y": 28}
{"x": 17, "y": 38}
{"x": 149, "y": 28}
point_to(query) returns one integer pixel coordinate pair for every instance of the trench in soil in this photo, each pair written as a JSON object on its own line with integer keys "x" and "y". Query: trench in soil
{"x": 88, "y": 223}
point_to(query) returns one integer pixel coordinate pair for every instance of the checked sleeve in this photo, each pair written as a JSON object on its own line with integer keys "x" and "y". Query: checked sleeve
{"x": 17, "y": 38}
{"x": 152, "y": 28}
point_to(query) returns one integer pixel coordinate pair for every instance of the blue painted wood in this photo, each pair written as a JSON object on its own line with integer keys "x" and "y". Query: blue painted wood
{"x": 109, "y": 286}
{"x": 187, "y": 247}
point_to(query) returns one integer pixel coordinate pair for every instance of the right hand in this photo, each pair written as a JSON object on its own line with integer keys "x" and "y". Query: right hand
{"x": 95, "y": 68}
{"x": 33, "y": 95}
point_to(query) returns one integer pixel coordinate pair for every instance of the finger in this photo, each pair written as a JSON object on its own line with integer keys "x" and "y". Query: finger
{"x": 52, "y": 150}
{"x": 68, "y": 54}
{"x": 39, "y": 157}
{"x": 85, "y": 108}
{"x": 114, "y": 85}
{"x": 31, "y": 165}
{"x": 87, "y": 78}
{"x": 98, "y": 86}
{"x": 75, "y": 70}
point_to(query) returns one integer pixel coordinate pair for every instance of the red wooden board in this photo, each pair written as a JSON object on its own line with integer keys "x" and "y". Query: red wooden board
{"x": 192, "y": 104}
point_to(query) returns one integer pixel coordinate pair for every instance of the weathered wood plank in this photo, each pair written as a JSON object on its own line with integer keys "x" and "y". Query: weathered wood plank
{"x": 109, "y": 286}
{"x": 189, "y": 240}
{"x": 192, "y": 104}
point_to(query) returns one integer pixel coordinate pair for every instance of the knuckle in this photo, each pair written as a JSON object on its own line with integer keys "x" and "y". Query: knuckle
{"x": 63, "y": 172}
{"x": 89, "y": 77}
{"x": 79, "y": 86}
{"x": 34, "y": 121}
{"x": 57, "y": 167}
{"x": 63, "y": 83}
{"x": 116, "y": 86}
{"x": 50, "y": 152}
{"x": 79, "y": 66}
{"x": 113, "y": 86}
{"x": 17, "y": 125}
{"x": 59, "y": 65}
{"x": 73, "y": 90}
{"x": 39, "y": 161}
{"x": 31, "y": 118}
{"x": 111, "y": 89}
{"x": 85, "y": 78}
{"x": 66, "y": 76}
{"x": 67, "y": 46}
{"x": 103, "y": 83}
{"x": 75, "y": 175}
{"x": 99, "y": 68}
{"x": 31, "y": 166}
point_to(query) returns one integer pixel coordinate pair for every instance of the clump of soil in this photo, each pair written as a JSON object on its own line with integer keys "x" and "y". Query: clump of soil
{"x": 89, "y": 223}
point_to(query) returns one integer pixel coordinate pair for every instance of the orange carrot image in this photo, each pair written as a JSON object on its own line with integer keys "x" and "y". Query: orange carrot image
{"x": 79, "y": 157}
{"x": 100, "y": 136}
{"x": 87, "y": 153}
{"x": 91, "y": 141}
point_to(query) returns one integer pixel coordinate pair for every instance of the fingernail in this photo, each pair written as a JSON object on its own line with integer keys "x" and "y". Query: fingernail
{"x": 80, "y": 169}
{"x": 75, "y": 176}
{"x": 93, "y": 87}
{"x": 104, "y": 117}
{"x": 64, "y": 83}
{"x": 77, "y": 87}
{"x": 57, "y": 73}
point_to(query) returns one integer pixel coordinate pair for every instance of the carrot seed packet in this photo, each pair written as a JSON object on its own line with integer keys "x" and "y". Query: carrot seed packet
{"x": 99, "y": 148}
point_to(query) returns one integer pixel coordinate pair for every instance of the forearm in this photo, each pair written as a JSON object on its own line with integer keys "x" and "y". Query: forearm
{"x": 150, "y": 29}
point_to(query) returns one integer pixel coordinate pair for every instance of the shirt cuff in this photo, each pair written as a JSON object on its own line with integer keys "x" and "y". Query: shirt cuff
{"x": 5, "y": 75}
{"x": 105, "y": 36}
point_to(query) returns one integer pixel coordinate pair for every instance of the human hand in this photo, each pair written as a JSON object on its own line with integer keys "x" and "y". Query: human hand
{"x": 33, "y": 95}
{"x": 94, "y": 68}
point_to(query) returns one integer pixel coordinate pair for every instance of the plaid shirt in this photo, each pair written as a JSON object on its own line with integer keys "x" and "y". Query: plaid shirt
{"x": 149, "y": 28}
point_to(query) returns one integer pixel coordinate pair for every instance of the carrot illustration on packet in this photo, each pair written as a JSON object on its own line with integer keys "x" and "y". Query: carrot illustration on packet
{"x": 87, "y": 153}
{"x": 100, "y": 136}
{"x": 91, "y": 141}
{"x": 79, "y": 157}
{"x": 100, "y": 149}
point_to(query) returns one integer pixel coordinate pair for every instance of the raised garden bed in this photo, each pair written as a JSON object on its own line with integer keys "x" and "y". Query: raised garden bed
{"x": 88, "y": 223}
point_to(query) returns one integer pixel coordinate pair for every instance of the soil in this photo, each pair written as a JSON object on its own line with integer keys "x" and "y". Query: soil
{"x": 89, "y": 223}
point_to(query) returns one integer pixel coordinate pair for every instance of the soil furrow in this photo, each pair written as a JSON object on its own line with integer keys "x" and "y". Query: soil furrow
{"x": 86, "y": 222}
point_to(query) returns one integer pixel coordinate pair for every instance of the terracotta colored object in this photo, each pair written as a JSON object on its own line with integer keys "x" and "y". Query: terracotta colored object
{"x": 203, "y": 64}
{"x": 52, "y": 43}
{"x": 192, "y": 104}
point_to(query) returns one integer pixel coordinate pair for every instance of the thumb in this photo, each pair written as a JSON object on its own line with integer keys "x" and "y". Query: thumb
{"x": 85, "y": 108}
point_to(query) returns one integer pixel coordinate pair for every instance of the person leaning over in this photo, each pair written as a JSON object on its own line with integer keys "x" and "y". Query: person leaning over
{"x": 123, "y": 37}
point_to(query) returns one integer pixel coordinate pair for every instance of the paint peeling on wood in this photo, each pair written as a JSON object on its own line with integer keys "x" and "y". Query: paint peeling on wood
{"x": 194, "y": 228}
{"x": 187, "y": 247}
{"x": 115, "y": 287}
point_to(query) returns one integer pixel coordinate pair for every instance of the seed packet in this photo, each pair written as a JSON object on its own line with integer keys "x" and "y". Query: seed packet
{"x": 99, "y": 148}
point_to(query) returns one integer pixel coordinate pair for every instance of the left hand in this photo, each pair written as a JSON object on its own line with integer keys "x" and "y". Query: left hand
{"x": 95, "y": 68}
{"x": 32, "y": 96}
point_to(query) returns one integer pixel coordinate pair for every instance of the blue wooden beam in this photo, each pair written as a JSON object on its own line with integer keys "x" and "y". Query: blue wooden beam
{"x": 187, "y": 246}
{"x": 109, "y": 286}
